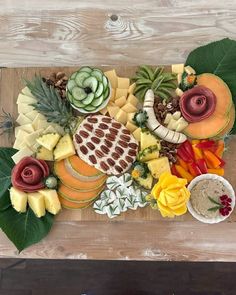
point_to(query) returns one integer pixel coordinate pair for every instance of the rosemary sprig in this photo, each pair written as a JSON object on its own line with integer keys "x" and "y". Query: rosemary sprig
{"x": 7, "y": 123}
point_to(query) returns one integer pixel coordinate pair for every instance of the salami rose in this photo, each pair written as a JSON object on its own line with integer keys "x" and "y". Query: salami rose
{"x": 28, "y": 174}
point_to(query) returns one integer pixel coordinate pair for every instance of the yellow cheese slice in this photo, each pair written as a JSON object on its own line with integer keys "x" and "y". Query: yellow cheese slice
{"x": 103, "y": 111}
{"x": 133, "y": 100}
{"x": 25, "y": 152}
{"x": 121, "y": 92}
{"x": 131, "y": 126}
{"x": 120, "y": 102}
{"x": 137, "y": 134}
{"x": 130, "y": 117}
{"x": 112, "y": 77}
{"x": 177, "y": 68}
{"x": 23, "y": 120}
{"x": 131, "y": 88}
{"x": 24, "y": 108}
{"x": 113, "y": 110}
{"x": 123, "y": 82}
{"x": 27, "y": 92}
{"x": 121, "y": 117}
{"x": 31, "y": 115}
{"x": 129, "y": 108}
{"x": 113, "y": 94}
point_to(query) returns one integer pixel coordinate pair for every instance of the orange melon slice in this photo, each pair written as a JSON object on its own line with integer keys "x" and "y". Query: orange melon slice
{"x": 219, "y": 120}
{"x": 78, "y": 196}
{"x": 230, "y": 125}
{"x": 71, "y": 181}
{"x": 82, "y": 167}
{"x": 72, "y": 205}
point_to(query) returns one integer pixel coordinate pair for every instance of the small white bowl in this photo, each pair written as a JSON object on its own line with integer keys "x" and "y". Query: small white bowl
{"x": 210, "y": 177}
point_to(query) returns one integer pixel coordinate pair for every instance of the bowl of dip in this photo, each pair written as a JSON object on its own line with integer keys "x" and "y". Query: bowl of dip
{"x": 212, "y": 198}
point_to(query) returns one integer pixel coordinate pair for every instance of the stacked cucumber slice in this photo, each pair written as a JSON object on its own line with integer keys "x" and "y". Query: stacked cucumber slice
{"x": 88, "y": 90}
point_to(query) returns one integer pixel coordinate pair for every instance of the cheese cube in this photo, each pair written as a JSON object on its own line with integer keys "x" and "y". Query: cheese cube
{"x": 133, "y": 100}
{"x": 121, "y": 117}
{"x": 27, "y": 92}
{"x": 177, "y": 68}
{"x": 59, "y": 129}
{"x": 24, "y": 108}
{"x": 27, "y": 128}
{"x": 31, "y": 115}
{"x": 25, "y": 99}
{"x": 131, "y": 88}
{"x": 112, "y": 77}
{"x": 131, "y": 127}
{"x": 50, "y": 129}
{"x": 19, "y": 144}
{"x": 31, "y": 138}
{"x": 121, "y": 92}
{"x": 129, "y": 108}
{"x": 103, "y": 111}
{"x": 113, "y": 110}
{"x": 137, "y": 134}
{"x": 21, "y": 134}
{"x": 130, "y": 117}
{"x": 23, "y": 120}
{"x": 39, "y": 117}
{"x": 123, "y": 83}
{"x": 113, "y": 94}
{"x": 42, "y": 124}
{"x": 25, "y": 152}
{"x": 120, "y": 102}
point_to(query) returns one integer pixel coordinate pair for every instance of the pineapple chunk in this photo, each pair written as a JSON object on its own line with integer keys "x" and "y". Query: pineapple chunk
{"x": 18, "y": 200}
{"x": 123, "y": 83}
{"x": 133, "y": 100}
{"x": 49, "y": 141}
{"x": 145, "y": 182}
{"x": 22, "y": 98}
{"x": 131, "y": 127}
{"x": 149, "y": 153}
{"x": 137, "y": 134}
{"x": 64, "y": 148}
{"x": 37, "y": 204}
{"x": 23, "y": 120}
{"x": 177, "y": 68}
{"x": 121, "y": 92}
{"x": 24, "y": 152}
{"x": 51, "y": 200}
{"x": 131, "y": 88}
{"x": 158, "y": 166}
{"x": 120, "y": 102}
{"x": 112, "y": 77}
{"x": 129, "y": 108}
{"x": 44, "y": 154}
{"x": 113, "y": 110}
{"x": 121, "y": 117}
{"x": 147, "y": 139}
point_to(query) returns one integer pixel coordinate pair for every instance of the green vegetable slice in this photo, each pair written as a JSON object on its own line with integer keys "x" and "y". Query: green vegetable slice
{"x": 85, "y": 69}
{"x": 91, "y": 83}
{"x": 99, "y": 90}
{"x": 69, "y": 96}
{"x": 88, "y": 99}
{"x": 70, "y": 85}
{"x": 106, "y": 93}
{"x": 80, "y": 77}
{"x": 105, "y": 82}
{"x": 78, "y": 104}
{"x": 97, "y": 74}
{"x": 90, "y": 108}
{"x": 98, "y": 101}
{"x": 79, "y": 93}
{"x": 73, "y": 75}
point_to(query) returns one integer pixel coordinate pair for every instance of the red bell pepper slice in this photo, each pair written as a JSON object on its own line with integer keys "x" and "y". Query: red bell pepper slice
{"x": 174, "y": 171}
{"x": 188, "y": 148}
{"x": 205, "y": 145}
{"x": 196, "y": 169}
{"x": 222, "y": 162}
{"x": 201, "y": 163}
{"x": 181, "y": 152}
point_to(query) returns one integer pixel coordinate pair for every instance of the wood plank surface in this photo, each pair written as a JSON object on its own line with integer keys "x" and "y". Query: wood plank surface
{"x": 106, "y": 32}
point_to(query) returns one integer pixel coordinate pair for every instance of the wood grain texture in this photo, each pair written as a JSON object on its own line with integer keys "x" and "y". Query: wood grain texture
{"x": 135, "y": 235}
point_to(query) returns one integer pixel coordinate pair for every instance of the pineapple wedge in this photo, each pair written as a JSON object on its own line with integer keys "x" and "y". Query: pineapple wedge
{"x": 51, "y": 199}
{"x": 49, "y": 141}
{"x": 37, "y": 204}
{"x": 64, "y": 149}
{"x": 158, "y": 166}
{"x": 18, "y": 200}
{"x": 147, "y": 139}
{"x": 145, "y": 182}
{"x": 44, "y": 154}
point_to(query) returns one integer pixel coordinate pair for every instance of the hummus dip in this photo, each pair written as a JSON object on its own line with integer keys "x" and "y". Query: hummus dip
{"x": 201, "y": 192}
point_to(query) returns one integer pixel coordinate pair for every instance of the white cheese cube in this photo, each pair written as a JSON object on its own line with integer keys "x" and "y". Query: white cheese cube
{"x": 25, "y": 152}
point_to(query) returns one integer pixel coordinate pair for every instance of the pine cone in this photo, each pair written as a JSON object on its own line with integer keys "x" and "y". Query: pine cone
{"x": 59, "y": 81}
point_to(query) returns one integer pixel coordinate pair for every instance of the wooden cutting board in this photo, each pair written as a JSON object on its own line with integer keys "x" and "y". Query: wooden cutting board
{"x": 11, "y": 84}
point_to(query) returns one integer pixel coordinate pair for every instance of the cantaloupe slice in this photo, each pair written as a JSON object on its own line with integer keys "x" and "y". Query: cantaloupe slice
{"x": 78, "y": 196}
{"x": 230, "y": 125}
{"x": 219, "y": 120}
{"x": 82, "y": 167}
{"x": 72, "y": 205}
{"x": 71, "y": 181}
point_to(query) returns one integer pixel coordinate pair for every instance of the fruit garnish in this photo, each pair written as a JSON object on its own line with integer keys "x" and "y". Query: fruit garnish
{"x": 51, "y": 182}
{"x": 224, "y": 206}
{"x": 6, "y": 123}
{"x": 140, "y": 118}
{"x": 187, "y": 81}
{"x": 162, "y": 83}
{"x": 139, "y": 170}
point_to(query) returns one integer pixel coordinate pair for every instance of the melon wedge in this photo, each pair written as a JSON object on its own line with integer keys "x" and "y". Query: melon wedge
{"x": 73, "y": 182}
{"x": 82, "y": 167}
{"x": 72, "y": 205}
{"x": 230, "y": 125}
{"x": 78, "y": 196}
{"x": 219, "y": 120}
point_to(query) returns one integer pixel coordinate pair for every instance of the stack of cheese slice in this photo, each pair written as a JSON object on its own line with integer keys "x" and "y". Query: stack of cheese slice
{"x": 123, "y": 104}
{"x": 31, "y": 125}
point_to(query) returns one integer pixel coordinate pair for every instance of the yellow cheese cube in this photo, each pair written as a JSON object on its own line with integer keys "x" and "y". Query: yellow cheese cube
{"x": 133, "y": 100}
{"x": 131, "y": 127}
{"x": 103, "y": 111}
{"x": 129, "y": 108}
{"x": 120, "y": 102}
{"x": 19, "y": 143}
{"x": 131, "y": 88}
{"x": 130, "y": 117}
{"x": 37, "y": 204}
{"x": 31, "y": 138}
{"x": 113, "y": 94}
{"x": 137, "y": 134}
{"x": 121, "y": 117}
{"x": 121, "y": 92}
{"x": 112, "y": 77}
{"x": 113, "y": 110}
{"x": 27, "y": 128}
{"x": 177, "y": 68}
{"x": 123, "y": 82}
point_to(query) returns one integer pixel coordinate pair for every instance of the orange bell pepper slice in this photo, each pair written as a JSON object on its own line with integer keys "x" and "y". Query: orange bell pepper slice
{"x": 217, "y": 171}
{"x": 184, "y": 174}
{"x": 211, "y": 159}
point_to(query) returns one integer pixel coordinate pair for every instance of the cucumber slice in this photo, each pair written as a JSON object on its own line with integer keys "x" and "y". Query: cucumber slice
{"x": 98, "y": 101}
{"x": 73, "y": 75}
{"x": 105, "y": 81}
{"x": 85, "y": 69}
{"x": 69, "y": 96}
{"x": 99, "y": 90}
{"x": 79, "y": 93}
{"x": 106, "y": 93}
{"x": 92, "y": 83}
{"x": 90, "y": 108}
{"x": 80, "y": 77}
{"x": 70, "y": 85}
{"x": 78, "y": 104}
{"x": 88, "y": 99}
{"x": 97, "y": 74}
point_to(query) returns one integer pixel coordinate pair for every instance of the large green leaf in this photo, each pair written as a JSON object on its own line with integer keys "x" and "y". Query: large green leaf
{"x": 218, "y": 58}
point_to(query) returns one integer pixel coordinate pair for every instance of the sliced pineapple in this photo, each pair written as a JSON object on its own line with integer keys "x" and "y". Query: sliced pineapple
{"x": 147, "y": 139}
{"x": 44, "y": 154}
{"x": 145, "y": 182}
{"x": 49, "y": 141}
{"x": 51, "y": 200}
{"x": 158, "y": 166}
{"x": 37, "y": 204}
{"x": 64, "y": 148}
{"x": 18, "y": 200}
